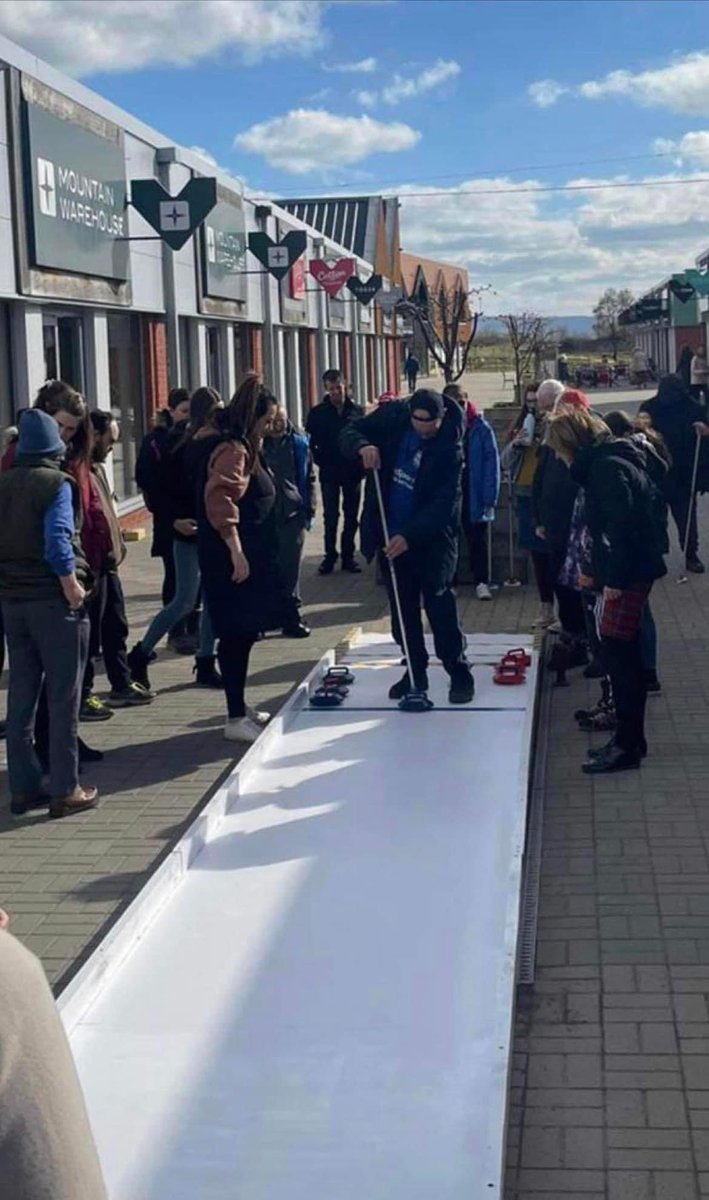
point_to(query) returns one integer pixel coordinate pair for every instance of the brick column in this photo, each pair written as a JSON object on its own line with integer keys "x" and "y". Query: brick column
{"x": 157, "y": 384}
{"x": 257, "y": 349}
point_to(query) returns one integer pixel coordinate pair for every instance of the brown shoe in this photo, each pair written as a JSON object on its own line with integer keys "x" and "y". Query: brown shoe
{"x": 79, "y": 801}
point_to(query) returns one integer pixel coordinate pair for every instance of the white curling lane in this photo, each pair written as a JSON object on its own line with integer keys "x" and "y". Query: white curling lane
{"x": 315, "y": 1000}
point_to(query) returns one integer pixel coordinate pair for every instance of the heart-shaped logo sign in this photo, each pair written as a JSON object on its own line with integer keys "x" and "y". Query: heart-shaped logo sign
{"x": 332, "y": 278}
{"x": 682, "y": 289}
{"x": 389, "y": 300}
{"x": 175, "y": 218}
{"x": 278, "y": 257}
{"x": 365, "y": 292}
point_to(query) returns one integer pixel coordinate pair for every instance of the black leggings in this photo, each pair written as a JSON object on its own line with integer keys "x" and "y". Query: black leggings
{"x": 544, "y": 576}
{"x": 233, "y": 654}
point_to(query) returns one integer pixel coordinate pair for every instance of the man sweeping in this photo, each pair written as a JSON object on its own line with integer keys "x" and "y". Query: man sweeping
{"x": 416, "y": 446}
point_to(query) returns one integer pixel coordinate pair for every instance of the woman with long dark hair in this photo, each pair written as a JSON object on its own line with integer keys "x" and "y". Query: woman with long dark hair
{"x": 184, "y": 452}
{"x": 242, "y": 584}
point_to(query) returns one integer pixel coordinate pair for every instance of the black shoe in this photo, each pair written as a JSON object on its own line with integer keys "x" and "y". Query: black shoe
{"x": 652, "y": 683}
{"x": 87, "y": 755}
{"x": 614, "y": 759}
{"x": 21, "y": 804}
{"x": 350, "y": 564}
{"x": 327, "y": 566}
{"x": 206, "y": 673}
{"x": 462, "y": 688}
{"x": 403, "y": 687}
{"x": 599, "y": 751}
{"x": 695, "y": 565}
{"x": 138, "y": 666}
{"x": 298, "y": 630}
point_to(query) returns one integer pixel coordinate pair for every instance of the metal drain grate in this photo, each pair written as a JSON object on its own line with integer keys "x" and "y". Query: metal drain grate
{"x": 529, "y": 901}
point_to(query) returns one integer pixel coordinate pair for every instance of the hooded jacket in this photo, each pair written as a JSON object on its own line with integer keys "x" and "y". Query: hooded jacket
{"x": 625, "y": 511}
{"x": 673, "y": 413}
{"x": 432, "y": 528}
{"x": 482, "y": 474}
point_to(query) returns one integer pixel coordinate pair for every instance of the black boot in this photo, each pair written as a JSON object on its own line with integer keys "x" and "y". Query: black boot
{"x": 138, "y": 661}
{"x": 462, "y": 688}
{"x": 206, "y": 672}
{"x": 398, "y": 690}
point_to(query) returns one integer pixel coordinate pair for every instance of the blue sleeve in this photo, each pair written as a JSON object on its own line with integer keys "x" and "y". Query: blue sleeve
{"x": 59, "y": 529}
{"x": 492, "y": 469}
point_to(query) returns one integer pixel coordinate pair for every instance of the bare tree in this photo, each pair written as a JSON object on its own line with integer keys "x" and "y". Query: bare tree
{"x": 532, "y": 339}
{"x": 448, "y": 326}
{"x": 607, "y": 313}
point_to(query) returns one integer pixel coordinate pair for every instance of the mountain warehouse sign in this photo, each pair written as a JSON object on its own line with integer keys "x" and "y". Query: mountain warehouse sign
{"x": 77, "y": 205}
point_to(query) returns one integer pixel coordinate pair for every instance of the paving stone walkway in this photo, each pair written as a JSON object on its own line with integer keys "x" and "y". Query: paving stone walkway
{"x": 610, "y": 1086}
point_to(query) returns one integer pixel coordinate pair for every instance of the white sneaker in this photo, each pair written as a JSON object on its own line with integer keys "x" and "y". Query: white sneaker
{"x": 555, "y": 627}
{"x": 257, "y": 716}
{"x": 241, "y": 729}
{"x": 483, "y": 592}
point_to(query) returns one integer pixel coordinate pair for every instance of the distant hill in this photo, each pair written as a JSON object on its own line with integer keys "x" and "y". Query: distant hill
{"x": 581, "y": 326}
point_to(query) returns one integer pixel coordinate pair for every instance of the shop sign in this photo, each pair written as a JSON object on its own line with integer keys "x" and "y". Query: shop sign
{"x": 175, "y": 218}
{"x": 389, "y": 300}
{"x": 332, "y": 278}
{"x": 77, "y": 200}
{"x": 224, "y": 252}
{"x": 364, "y": 291}
{"x": 278, "y": 257}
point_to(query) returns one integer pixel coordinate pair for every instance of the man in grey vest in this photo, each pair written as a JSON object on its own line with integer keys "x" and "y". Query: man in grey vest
{"x": 44, "y": 579}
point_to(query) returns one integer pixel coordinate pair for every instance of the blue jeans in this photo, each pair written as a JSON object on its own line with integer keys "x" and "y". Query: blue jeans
{"x": 187, "y": 580}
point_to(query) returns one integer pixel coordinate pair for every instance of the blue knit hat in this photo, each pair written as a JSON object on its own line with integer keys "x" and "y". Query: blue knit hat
{"x": 39, "y": 435}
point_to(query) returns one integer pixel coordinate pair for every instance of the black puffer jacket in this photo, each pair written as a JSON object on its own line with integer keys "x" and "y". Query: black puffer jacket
{"x": 625, "y": 512}
{"x": 553, "y": 498}
{"x": 432, "y": 530}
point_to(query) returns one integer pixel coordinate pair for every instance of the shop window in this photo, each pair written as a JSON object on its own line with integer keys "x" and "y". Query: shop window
{"x": 127, "y": 403}
{"x": 214, "y": 363}
{"x": 64, "y": 350}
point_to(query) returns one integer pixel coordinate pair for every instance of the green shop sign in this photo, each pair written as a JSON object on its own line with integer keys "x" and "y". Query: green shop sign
{"x": 76, "y": 197}
{"x": 224, "y": 252}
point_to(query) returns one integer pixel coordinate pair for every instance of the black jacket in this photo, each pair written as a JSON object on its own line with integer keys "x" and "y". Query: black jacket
{"x": 150, "y": 475}
{"x": 625, "y": 512}
{"x": 673, "y": 413}
{"x": 553, "y": 498}
{"x": 432, "y": 530}
{"x": 324, "y": 426}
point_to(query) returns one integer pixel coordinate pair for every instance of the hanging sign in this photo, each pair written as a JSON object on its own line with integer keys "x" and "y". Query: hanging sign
{"x": 365, "y": 292}
{"x": 681, "y": 288}
{"x": 333, "y": 278}
{"x": 389, "y": 300}
{"x": 699, "y": 281}
{"x": 278, "y": 257}
{"x": 175, "y": 218}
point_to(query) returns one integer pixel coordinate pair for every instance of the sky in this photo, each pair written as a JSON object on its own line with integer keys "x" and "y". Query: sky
{"x": 466, "y": 109}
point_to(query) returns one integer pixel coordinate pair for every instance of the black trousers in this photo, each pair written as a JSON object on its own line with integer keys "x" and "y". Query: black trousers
{"x": 543, "y": 575}
{"x": 441, "y": 610}
{"x": 233, "y": 654}
{"x": 677, "y": 494}
{"x": 568, "y": 601}
{"x": 351, "y": 493}
{"x": 629, "y": 683}
{"x": 476, "y": 535}
{"x": 109, "y": 631}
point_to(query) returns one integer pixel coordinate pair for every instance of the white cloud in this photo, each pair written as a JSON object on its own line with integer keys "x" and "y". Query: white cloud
{"x": 314, "y": 140}
{"x": 681, "y": 87}
{"x": 425, "y": 81}
{"x": 365, "y": 66}
{"x": 556, "y": 252}
{"x": 546, "y": 92}
{"x": 365, "y": 98}
{"x": 83, "y": 37}
{"x": 693, "y": 147}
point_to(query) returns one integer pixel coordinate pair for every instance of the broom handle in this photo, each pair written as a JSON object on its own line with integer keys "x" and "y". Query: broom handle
{"x": 691, "y": 493}
{"x": 394, "y": 584}
{"x": 510, "y": 537}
